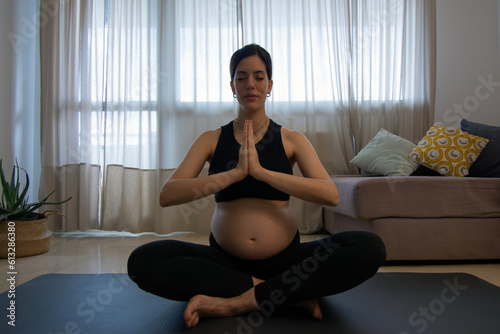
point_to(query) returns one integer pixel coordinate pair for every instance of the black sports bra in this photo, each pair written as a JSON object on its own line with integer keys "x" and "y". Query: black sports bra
{"x": 272, "y": 156}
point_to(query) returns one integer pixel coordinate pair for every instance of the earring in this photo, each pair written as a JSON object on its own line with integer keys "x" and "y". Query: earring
{"x": 234, "y": 95}
{"x": 268, "y": 94}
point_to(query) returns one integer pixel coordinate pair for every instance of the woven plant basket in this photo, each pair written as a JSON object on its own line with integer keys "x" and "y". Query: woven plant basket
{"x": 32, "y": 237}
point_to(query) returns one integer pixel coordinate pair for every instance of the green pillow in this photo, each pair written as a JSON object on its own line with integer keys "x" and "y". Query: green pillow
{"x": 386, "y": 154}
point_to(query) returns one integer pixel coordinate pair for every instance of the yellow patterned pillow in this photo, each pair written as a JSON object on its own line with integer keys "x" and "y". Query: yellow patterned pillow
{"x": 448, "y": 150}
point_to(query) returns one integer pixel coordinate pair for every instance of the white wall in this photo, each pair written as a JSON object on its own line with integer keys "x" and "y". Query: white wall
{"x": 468, "y": 62}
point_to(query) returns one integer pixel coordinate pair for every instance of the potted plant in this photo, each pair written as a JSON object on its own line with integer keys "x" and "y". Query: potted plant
{"x": 23, "y": 232}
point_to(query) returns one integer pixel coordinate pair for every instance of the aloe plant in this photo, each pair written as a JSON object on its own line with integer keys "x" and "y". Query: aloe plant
{"x": 15, "y": 204}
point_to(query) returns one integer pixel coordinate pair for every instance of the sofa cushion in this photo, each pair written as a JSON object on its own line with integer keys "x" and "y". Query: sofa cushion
{"x": 386, "y": 154}
{"x": 372, "y": 197}
{"x": 448, "y": 150}
{"x": 488, "y": 162}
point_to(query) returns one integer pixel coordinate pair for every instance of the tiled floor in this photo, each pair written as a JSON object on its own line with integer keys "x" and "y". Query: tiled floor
{"x": 108, "y": 253}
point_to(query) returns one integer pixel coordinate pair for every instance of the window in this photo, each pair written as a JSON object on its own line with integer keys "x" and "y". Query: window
{"x": 155, "y": 58}
{"x": 312, "y": 42}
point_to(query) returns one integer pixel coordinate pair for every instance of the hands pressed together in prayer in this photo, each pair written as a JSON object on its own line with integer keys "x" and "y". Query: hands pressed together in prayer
{"x": 248, "y": 163}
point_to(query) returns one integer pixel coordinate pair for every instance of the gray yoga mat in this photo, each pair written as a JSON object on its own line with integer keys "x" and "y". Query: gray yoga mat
{"x": 396, "y": 303}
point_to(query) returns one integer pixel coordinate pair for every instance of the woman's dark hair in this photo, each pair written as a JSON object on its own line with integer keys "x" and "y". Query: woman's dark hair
{"x": 251, "y": 50}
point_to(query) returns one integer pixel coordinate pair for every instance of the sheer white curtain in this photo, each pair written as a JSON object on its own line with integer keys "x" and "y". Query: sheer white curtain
{"x": 128, "y": 85}
{"x": 344, "y": 69}
{"x": 392, "y": 68}
{"x": 70, "y": 41}
{"x": 166, "y": 83}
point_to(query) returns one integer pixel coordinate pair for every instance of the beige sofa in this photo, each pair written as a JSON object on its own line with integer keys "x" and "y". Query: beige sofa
{"x": 422, "y": 217}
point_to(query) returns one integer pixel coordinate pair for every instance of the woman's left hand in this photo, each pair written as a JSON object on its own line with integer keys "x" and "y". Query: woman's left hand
{"x": 254, "y": 167}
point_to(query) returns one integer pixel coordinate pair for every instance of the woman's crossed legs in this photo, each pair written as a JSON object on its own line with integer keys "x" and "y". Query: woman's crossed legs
{"x": 217, "y": 284}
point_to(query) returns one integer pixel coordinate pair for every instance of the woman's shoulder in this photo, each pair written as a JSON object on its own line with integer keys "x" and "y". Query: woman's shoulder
{"x": 209, "y": 137}
{"x": 295, "y": 142}
{"x": 205, "y": 144}
{"x": 292, "y": 136}
{"x": 211, "y": 134}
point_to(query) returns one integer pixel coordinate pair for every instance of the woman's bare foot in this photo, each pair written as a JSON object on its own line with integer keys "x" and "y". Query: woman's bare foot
{"x": 257, "y": 281}
{"x": 201, "y": 306}
{"x": 312, "y": 306}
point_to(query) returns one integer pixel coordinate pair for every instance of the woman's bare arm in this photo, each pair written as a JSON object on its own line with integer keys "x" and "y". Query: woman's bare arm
{"x": 184, "y": 185}
{"x": 316, "y": 185}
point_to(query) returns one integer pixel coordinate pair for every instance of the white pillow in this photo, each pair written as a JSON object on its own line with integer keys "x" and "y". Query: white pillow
{"x": 386, "y": 154}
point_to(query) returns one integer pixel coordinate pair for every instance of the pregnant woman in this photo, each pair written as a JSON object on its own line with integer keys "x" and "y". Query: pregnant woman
{"x": 255, "y": 260}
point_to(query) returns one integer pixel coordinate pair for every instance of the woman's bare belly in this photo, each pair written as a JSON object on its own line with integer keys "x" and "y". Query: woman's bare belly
{"x": 252, "y": 228}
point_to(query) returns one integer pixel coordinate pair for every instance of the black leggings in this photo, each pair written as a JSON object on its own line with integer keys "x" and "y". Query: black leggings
{"x": 179, "y": 270}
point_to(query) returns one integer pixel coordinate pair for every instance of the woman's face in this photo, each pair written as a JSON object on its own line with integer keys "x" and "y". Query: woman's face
{"x": 250, "y": 83}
